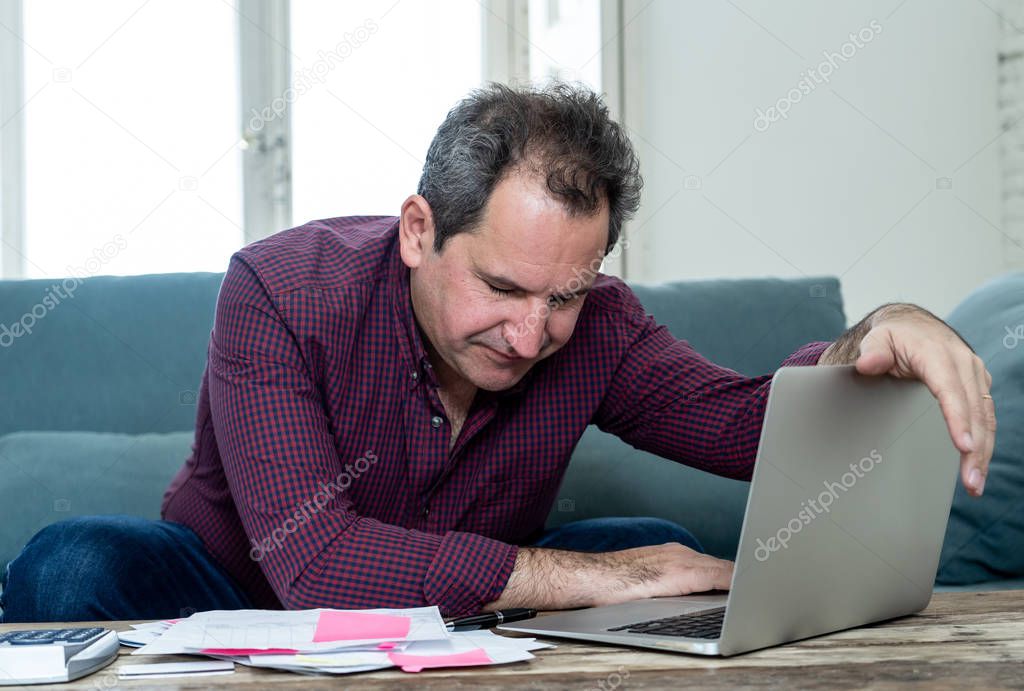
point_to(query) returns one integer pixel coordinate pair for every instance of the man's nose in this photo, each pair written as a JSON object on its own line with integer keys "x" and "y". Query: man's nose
{"x": 526, "y": 334}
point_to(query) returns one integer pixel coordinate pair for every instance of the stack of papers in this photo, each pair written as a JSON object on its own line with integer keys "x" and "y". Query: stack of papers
{"x": 329, "y": 641}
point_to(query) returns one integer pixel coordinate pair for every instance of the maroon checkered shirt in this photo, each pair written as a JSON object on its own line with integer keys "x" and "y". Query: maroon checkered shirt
{"x": 321, "y": 474}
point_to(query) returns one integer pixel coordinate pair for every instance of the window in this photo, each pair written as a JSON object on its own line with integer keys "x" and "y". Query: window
{"x": 132, "y": 162}
{"x": 128, "y": 145}
{"x": 565, "y": 41}
{"x": 391, "y": 71}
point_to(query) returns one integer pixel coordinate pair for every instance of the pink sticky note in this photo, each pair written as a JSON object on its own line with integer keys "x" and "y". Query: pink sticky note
{"x": 353, "y": 626}
{"x": 418, "y": 663}
{"x": 387, "y": 645}
{"x": 248, "y": 651}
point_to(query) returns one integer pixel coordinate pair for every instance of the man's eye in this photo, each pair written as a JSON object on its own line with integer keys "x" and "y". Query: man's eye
{"x": 499, "y": 291}
{"x": 556, "y": 301}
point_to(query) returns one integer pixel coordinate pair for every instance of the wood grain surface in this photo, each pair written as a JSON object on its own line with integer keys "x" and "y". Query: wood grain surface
{"x": 963, "y": 639}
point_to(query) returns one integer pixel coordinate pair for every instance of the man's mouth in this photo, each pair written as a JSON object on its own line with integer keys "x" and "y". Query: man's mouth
{"x": 504, "y": 357}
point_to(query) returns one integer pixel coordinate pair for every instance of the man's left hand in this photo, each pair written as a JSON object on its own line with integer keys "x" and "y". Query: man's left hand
{"x": 907, "y": 341}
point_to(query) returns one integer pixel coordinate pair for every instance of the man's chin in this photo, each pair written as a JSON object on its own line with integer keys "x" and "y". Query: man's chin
{"x": 498, "y": 380}
{"x": 498, "y": 384}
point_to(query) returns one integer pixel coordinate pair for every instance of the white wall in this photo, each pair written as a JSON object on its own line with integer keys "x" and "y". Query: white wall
{"x": 849, "y": 183}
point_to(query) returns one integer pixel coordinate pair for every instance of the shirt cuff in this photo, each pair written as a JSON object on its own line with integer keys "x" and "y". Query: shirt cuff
{"x": 467, "y": 572}
{"x": 807, "y": 355}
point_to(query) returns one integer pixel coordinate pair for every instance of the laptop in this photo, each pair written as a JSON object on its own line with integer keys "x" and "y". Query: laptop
{"x": 844, "y": 524}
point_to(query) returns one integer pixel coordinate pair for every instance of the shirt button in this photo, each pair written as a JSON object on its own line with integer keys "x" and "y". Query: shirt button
{"x": 426, "y": 511}
{"x": 414, "y": 375}
{"x": 436, "y": 421}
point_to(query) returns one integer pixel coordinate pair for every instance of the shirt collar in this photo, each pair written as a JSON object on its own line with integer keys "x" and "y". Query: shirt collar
{"x": 410, "y": 337}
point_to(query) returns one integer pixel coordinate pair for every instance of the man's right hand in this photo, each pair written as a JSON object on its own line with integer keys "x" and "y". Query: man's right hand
{"x": 547, "y": 579}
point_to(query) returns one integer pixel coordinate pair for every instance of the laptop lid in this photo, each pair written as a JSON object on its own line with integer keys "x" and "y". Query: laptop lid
{"x": 847, "y": 511}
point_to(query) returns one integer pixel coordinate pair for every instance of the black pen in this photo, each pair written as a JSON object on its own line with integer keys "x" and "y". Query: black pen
{"x": 491, "y": 619}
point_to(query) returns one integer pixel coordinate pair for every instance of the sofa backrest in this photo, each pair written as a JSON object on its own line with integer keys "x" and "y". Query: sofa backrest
{"x": 104, "y": 354}
{"x": 125, "y": 355}
{"x": 750, "y": 325}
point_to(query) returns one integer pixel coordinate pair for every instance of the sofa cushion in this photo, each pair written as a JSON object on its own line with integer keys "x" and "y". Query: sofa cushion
{"x": 750, "y": 325}
{"x": 985, "y": 536}
{"x": 984, "y": 586}
{"x": 50, "y": 476}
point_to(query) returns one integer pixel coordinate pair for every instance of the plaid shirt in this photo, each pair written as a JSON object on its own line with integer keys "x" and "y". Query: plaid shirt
{"x": 321, "y": 474}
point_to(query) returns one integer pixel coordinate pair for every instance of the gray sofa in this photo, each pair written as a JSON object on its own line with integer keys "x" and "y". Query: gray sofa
{"x": 100, "y": 395}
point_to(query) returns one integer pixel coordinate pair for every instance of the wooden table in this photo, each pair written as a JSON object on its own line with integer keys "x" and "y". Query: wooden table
{"x": 961, "y": 640}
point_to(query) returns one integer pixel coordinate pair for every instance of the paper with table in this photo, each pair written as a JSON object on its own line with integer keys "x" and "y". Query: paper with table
{"x": 327, "y": 641}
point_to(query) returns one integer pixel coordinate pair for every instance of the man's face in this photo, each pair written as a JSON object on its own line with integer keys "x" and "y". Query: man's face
{"x": 499, "y": 299}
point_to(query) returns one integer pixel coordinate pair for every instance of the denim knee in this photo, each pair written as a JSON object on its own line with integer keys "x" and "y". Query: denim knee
{"x": 616, "y": 533}
{"x": 667, "y": 531}
{"x": 66, "y": 571}
{"x": 101, "y": 568}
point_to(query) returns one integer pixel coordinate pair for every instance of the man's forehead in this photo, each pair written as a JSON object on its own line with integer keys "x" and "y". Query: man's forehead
{"x": 527, "y": 249}
{"x": 521, "y": 210}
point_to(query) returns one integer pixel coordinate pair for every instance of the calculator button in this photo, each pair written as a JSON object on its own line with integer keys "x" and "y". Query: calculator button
{"x": 31, "y": 638}
{"x": 82, "y": 635}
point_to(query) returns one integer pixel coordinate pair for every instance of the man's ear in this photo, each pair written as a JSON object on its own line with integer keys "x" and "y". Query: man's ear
{"x": 416, "y": 230}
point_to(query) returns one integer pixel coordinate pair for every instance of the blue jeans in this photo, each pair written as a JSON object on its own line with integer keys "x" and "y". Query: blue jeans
{"x": 612, "y": 534}
{"x": 102, "y": 568}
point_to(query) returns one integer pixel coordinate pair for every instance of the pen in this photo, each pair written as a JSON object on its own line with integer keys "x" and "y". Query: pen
{"x": 491, "y": 619}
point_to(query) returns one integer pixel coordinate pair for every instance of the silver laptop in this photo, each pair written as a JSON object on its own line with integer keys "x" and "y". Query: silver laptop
{"x": 844, "y": 524}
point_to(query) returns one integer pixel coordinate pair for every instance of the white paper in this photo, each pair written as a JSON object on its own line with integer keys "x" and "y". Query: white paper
{"x": 488, "y": 639}
{"x": 343, "y": 659}
{"x": 141, "y": 634}
{"x": 329, "y": 670}
{"x": 264, "y": 629}
{"x": 499, "y": 649}
{"x": 269, "y": 629}
{"x": 163, "y": 670}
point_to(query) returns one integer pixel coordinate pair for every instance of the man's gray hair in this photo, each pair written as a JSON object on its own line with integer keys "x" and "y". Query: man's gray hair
{"x": 562, "y": 132}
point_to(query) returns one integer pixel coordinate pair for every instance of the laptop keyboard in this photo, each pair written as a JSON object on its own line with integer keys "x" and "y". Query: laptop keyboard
{"x": 704, "y": 624}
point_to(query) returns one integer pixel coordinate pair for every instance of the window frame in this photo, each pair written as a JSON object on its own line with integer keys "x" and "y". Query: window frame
{"x": 12, "y": 141}
{"x": 265, "y": 65}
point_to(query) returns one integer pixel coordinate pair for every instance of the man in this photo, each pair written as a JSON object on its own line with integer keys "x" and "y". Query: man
{"x": 389, "y": 404}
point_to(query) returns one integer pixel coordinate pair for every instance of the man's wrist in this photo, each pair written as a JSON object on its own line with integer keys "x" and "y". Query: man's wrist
{"x": 546, "y": 579}
{"x": 898, "y": 310}
{"x": 846, "y": 349}
{"x": 561, "y": 579}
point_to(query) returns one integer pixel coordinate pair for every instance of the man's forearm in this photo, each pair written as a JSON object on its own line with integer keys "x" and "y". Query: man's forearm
{"x": 560, "y": 579}
{"x": 846, "y": 349}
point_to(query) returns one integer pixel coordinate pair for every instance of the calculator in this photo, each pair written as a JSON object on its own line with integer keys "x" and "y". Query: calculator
{"x": 44, "y": 656}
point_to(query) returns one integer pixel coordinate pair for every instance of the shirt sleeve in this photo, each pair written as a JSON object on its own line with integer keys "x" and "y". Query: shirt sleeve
{"x": 280, "y": 460}
{"x": 668, "y": 399}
